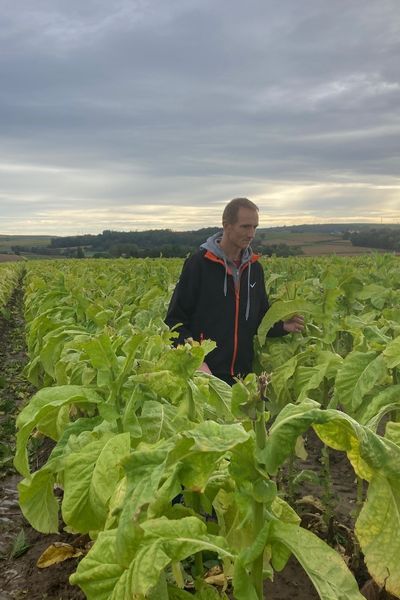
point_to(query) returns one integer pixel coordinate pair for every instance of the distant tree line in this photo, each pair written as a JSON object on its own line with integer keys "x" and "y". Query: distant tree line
{"x": 168, "y": 243}
{"x": 152, "y": 243}
{"x": 382, "y": 238}
{"x": 137, "y": 244}
{"x": 281, "y": 249}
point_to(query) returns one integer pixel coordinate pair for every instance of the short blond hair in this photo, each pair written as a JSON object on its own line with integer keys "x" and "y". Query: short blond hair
{"x": 230, "y": 214}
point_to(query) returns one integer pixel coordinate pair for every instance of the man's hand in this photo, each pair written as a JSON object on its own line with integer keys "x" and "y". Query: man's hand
{"x": 204, "y": 367}
{"x": 294, "y": 325}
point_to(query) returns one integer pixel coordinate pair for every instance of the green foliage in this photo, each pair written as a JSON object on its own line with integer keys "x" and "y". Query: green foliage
{"x": 136, "y": 424}
{"x": 9, "y": 276}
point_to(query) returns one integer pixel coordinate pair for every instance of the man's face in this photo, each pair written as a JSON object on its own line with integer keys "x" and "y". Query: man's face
{"x": 241, "y": 233}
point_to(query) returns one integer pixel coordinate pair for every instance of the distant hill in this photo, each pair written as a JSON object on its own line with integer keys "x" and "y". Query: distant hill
{"x": 333, "y": 227}
{"x": 7, "y": 241}
{"x": 308, "y": 239}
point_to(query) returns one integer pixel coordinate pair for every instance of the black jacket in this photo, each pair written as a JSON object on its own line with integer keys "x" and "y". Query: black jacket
{"x": 199, "y": 303}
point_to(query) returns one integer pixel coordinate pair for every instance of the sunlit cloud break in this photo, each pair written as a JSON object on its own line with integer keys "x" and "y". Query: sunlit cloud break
{"x": 281, "y": 204}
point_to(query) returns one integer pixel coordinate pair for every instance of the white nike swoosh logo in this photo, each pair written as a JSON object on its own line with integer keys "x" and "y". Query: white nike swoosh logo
{"x": 252, "y": 284}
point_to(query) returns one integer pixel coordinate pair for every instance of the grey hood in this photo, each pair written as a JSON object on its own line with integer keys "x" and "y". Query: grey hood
{"x": 213, "y": 245}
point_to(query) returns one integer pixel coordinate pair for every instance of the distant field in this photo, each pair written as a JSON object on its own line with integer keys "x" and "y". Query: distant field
{"x": 6, "y": 241}
{"x": 312, "y": 244}
{"x": 342, "y": 248}
{"x": 9, "y": 258}
{"x": 300, "y": 239}
{"x": 316, "y": 244}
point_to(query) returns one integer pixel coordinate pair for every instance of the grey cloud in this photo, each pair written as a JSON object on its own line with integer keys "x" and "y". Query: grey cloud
{"x": 156, "y": 102}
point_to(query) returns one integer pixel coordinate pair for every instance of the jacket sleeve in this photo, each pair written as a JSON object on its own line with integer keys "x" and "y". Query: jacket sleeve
{"x": 277, "y": 329}
{"x": 184, "y": 298}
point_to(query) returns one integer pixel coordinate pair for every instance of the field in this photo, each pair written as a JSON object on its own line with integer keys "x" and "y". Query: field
{"x": 9, "y": 258}
{"x": 145, "y": 478}
{"x": 310, "y": 243}
{"x": 316, "y": 244}
{"x": 7, "y": 241}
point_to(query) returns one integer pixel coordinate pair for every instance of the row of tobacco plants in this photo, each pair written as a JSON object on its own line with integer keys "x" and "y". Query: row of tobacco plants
{"x": 9, "y": 276}
{"x": 169, "y": 470}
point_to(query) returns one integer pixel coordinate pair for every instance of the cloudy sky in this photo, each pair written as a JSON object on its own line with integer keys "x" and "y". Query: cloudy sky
{"x": 137, "y": 114}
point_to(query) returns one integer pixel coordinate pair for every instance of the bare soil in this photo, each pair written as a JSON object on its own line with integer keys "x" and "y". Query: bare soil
{"x": 21, "y": 546}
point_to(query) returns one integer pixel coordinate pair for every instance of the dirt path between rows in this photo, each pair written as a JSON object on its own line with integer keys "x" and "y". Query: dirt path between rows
{"x": 21, "y": 546}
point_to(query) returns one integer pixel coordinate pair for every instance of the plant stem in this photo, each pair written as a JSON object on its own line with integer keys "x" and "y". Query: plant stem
{"x": 198, "y": 557}
{"x": 191, "y": 406}
{"x": 114, "y": 401}
{"x": 177, "y": 572}
{"x": 258, "y": 507}
{"x": 359, "y": 504}
{"x": 327, "y": 480}
{"x": 259, "y": 427}
{"x": 290, "y": 486}
{"x": 257, "y": 568}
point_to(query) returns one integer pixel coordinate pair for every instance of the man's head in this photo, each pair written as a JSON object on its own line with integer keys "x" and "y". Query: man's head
{"x": 231, "y": 210}
{"x": 240, "y": 221}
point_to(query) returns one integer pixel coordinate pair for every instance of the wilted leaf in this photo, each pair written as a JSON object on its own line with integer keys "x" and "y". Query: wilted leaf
{"x": 57, "y": 553}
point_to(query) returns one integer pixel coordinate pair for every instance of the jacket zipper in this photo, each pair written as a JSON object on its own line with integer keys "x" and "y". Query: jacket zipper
{"x": 235, "y": 339}
{"x": 214, "y": 258}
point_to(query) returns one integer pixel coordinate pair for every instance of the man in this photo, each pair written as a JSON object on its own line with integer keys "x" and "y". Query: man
{"x": 221, "y": 295}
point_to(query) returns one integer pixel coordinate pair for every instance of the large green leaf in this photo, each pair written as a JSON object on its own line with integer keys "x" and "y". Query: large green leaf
{"x": 359, "y": 373}
{"x": 90, "y": 477}
{"x": 309, "y": 378}
{"x": 145, "y": 468}
{"x": 378, "y": 528}
{"x": 392, "y": 353}
{"x": 160, "y": 421}
{"x": 282, "y": 310}
{"x": 211, "y": 442}
{"x": 101, "y": 353}
{"x": 100, "y": 570}
{"x": 46, "y": 404}
{"x": 285, "y": 513}
{"x": 37, "y": 501}
{"x": 52, "y": 348}
{"x": 74, "y": 431}
{"x": 215, "y": 437}
{"x": 280, "y": 384}
{"x": 163, "y": 383}
{"x": 378, "y": 461}
{"x": 243, "y": 583}
{"x": 102, "y": 576}
{"x": 368, "y": 452}
{"x": 220, "y": 394}
{"x": 181, "y": 361}
{"x": 374, "y": 409}
{"x": 392, "y": 432}
{"x": 376, "y": 293}
{"x": 291, "y": 422}
{"x": 325, "y": 567}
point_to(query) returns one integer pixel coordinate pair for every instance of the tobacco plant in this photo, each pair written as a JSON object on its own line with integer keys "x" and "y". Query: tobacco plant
{"x": 137, "y": 427}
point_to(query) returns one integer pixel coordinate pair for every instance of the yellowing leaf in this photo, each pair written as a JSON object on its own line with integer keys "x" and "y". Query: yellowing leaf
{"x": 57, "y": 553}
{"x": 219, "y": 580}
